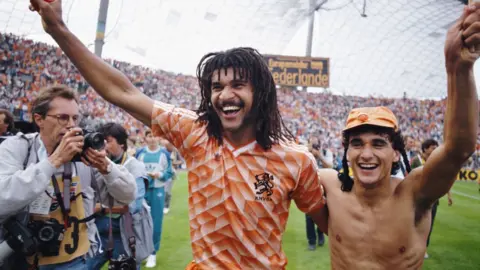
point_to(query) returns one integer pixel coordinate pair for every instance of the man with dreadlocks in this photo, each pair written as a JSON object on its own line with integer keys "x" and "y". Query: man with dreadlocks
{"x": 244, "y": 169}
{"x": 376, "y": 221}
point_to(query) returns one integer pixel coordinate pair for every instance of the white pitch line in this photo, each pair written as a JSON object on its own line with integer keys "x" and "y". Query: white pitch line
{"x": 465, "y": 195}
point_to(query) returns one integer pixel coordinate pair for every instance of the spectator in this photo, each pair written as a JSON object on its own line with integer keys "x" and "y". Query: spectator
{"x": 6, "y": 123}
{"x": 26, "y": 66}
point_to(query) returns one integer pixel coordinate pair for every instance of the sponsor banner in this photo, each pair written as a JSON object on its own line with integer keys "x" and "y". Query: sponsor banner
{"x": 299, "y": 71}
{"x": 469, "y": 175}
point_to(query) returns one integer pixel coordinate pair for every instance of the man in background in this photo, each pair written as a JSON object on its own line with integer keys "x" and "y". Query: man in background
{"x": 159, "y": 169}
{"x": 6, "y": 123}
{"x": 324, "y": 158}
{"x": 411, "y": 151}
{"x": 410, "y": 147}
{"x": 169, "y": 184}
{"x": 122, "y": 216}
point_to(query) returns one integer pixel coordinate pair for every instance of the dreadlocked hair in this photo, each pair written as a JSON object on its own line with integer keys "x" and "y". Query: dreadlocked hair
{"x": 248, "y": 64}
{"x": 395, "y": 138}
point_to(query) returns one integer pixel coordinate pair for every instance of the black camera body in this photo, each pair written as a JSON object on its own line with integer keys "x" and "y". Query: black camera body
{"x": 123, "y": 263}
{"x": 316, "y": 146}
{"x": 19, "y": 237}
{"x": 49, "y": 235}
{"x": 91, "y": 139}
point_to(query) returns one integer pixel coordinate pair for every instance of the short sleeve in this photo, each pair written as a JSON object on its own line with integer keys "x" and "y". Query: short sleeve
{"x": 308, "y": 195}
{"x": 178, "y": 126}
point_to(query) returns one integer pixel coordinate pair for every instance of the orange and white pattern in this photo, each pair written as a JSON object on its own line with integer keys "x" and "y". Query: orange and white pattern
{"x": 238, "y": 198}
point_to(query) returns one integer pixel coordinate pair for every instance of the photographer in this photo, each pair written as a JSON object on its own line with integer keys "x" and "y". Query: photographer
{"x": 34, "y": 169}
{"x": 7, "y": 125}
{"x": 324, "y": 159}
{"x": 128, "y": 223}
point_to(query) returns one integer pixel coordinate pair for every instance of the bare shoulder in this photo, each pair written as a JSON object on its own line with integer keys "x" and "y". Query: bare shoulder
{"x": 408, "y": 183}
{"x": 329, "y": 179}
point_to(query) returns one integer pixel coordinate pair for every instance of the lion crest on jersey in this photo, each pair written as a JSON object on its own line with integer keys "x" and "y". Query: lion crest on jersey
{"x": 264, "y": 184}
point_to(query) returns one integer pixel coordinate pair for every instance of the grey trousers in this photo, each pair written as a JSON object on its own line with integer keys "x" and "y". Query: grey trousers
{"x": 168, "y": 192}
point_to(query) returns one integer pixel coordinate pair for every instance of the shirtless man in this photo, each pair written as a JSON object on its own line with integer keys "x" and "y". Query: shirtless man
{"x": 379, "y": 222}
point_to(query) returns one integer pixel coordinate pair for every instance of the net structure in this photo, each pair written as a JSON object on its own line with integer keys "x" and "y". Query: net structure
{"x": 376, "y": 47}
{"x": 386, "y": 48}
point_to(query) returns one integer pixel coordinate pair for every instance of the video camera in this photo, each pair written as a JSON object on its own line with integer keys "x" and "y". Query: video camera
{"x": 91, "y": 139}
{"x": 123, "y": 263}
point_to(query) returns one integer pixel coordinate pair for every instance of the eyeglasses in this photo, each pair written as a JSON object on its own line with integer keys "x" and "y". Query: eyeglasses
{"x": 63, "y": 119}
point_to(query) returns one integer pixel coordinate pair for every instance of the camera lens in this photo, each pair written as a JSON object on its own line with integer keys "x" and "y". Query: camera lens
{"x": 125, "y": 266}
{"x": 46, "y": 234}
{"x": 95, "y": 140}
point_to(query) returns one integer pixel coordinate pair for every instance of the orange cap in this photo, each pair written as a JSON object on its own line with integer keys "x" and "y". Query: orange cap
{"x": 375, "y": 116}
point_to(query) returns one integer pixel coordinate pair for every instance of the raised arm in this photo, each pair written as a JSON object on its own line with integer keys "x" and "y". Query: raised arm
{"x": 461, "y": 117}
{"x": 110, "y": 83}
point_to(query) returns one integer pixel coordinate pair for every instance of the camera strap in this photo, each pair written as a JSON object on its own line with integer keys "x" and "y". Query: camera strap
{"x": 110, "y": 233}
{"x": 128, "y": 220}
{"x": 128, "y": 231}
{"x": 64, "y": 201}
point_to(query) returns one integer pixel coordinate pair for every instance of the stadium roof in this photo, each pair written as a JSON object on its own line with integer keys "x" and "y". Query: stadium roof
{"x": 376, "y": 47}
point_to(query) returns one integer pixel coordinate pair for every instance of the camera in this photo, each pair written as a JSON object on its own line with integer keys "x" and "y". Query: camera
{"x": 123, "y": 263}
{"x": 91, "y": 139}
{"x": 18, "y": 238}
{"x": 316, "y": 146}
{"x": 49, "y": 235}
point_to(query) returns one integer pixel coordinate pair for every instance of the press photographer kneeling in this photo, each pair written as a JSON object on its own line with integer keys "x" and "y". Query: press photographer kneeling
{"x": 48, "y": 182}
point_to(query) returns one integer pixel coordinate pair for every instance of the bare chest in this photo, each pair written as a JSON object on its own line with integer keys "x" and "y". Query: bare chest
{"x": 382, "y": 236}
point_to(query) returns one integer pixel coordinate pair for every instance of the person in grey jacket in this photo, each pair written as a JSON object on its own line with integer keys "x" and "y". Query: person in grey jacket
{"x": 126, "y": 221}
{"x": 34, "y": 169}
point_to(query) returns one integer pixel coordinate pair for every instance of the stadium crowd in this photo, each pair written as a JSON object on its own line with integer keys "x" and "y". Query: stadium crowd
{"x": 27, "y": 66}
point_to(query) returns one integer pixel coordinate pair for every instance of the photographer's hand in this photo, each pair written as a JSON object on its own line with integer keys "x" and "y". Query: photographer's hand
{"x": 70, "y": 145}
{"x": 96, "y": 159}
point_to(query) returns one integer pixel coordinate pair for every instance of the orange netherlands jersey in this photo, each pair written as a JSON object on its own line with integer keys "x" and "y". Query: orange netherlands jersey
{"x": 238, "y": 197}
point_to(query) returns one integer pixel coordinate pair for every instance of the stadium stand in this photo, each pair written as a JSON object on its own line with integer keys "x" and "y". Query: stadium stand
{"x": 26, "y": 66}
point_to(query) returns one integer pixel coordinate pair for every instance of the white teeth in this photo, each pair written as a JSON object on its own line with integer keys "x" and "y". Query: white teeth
{"x": 231, "y": 108}
{"x": 367, "y": 166}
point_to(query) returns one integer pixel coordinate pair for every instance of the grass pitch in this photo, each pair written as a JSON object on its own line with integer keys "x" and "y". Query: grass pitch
{"x": 455, "y": 241}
